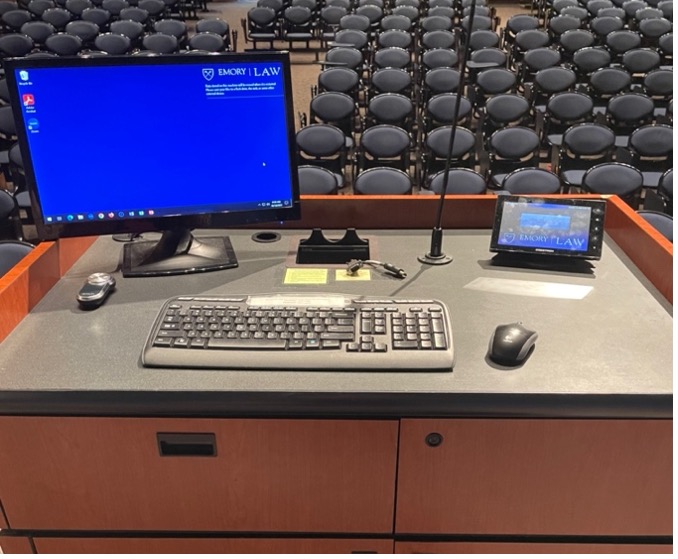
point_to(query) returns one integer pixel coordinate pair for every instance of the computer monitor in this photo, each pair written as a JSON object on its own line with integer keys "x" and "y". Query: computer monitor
{"x": 164, "y": 143}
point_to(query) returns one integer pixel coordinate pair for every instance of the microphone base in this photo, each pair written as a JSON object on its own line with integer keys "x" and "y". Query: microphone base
{"x": 434, "y": 260}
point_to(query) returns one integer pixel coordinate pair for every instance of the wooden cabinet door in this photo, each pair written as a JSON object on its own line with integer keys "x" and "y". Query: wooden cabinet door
{"x": 19, "y": 545}
{"x": 267, "y": 475}
{"x": 211, "y": 545}
{"x": 525, "y": 476}
{"x": 465, "y": 548}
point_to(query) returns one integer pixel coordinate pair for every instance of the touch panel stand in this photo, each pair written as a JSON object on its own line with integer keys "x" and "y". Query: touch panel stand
{"x": 542, "y": 262}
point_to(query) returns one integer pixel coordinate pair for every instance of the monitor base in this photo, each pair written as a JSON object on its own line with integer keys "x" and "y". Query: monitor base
{"x": 177, "y": 252}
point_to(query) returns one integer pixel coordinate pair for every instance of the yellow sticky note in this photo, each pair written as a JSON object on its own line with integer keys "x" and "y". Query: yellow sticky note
{"x": 360, "y": 275}
{"x": 305, "y": 275}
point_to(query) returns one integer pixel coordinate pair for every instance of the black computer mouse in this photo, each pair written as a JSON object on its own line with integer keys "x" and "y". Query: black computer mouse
{"x": 511, "y": 344}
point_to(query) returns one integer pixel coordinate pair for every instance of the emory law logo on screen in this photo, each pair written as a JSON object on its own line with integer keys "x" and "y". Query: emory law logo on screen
{"x": 209, "y": 73}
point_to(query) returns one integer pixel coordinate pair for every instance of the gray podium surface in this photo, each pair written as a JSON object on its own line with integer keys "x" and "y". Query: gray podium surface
{"x": 608, "y": 354}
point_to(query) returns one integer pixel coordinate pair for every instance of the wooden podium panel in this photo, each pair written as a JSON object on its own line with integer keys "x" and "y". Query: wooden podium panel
{"x": 466, "y": 548}
{"x": 172, "y": 545}
{"x": 15, "y": 545}
{"x": 536, "y": 477}
{"x": 271, "y": 476}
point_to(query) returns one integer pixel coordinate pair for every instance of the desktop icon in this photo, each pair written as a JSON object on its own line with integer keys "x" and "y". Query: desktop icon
{"x": 28, "y": 99}
{"x": 23, "y": 75}
{"x": 33, "y": 124}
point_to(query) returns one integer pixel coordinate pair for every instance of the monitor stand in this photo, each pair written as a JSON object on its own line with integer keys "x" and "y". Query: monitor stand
{"x": 543, "y": 262}
{"x": 177, "y": 252}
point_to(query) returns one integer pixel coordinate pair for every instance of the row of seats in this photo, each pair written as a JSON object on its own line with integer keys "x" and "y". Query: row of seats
{"x": 582, "y": 146}
{"x": 382, "y": 134}
{"x": 322, "y": 22}
{"x": 604, "y": 178}
{"x": 14, "y": 14}
{"x": 105, "y": 26}
{"x": 546, "y": 88}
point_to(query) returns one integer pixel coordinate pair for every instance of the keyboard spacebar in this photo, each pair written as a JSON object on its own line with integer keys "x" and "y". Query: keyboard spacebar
{"x": 248, "y": 343}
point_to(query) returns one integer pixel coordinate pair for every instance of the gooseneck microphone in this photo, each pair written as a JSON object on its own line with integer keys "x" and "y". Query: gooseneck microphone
{"x": 435, "y": 255}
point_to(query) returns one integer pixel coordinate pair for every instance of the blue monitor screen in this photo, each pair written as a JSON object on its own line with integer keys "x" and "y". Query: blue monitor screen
{"x": 128, "y": 141}
{"x": 135, "y": 144}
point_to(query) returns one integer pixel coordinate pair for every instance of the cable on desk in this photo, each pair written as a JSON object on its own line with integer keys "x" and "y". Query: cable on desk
{"x": 353, "y": 266}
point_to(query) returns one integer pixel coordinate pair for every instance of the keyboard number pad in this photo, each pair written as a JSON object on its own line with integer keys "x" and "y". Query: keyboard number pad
{"x": 418, "y": 328}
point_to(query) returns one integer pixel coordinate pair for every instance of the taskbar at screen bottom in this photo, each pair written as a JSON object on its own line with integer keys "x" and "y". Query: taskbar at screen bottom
{"x": 145, "y": 213}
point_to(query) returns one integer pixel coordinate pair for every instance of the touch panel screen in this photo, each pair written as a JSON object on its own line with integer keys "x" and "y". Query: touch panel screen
{"x": 568, "y": 227}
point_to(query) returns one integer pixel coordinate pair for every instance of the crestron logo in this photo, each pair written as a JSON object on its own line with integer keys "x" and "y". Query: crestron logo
{"x": 208, "y": 73}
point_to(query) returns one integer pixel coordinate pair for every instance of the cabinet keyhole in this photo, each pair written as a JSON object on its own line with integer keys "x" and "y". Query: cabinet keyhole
{"x": 434, "y": 439}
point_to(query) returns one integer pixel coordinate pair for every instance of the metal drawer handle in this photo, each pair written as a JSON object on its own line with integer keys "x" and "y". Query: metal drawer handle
{"x": 187, "y": 444}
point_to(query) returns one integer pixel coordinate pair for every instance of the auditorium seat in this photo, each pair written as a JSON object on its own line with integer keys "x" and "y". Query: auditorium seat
{"x": 614, "y": 178}
{"x": 564, "y": 110}
{"x": 459, "y": 181}
{"x": 262, "y": 25}
{"x": 583, "y": 145}
{"x": 651, "y": 149}
{"x": 437, "y": 148}
{"x": 324, "y": 145}
{"x": 509, "y": 149}
{"x": 384, "y": 145}
{"x": 382, "y": 180}
{"x": 10, "y": 224}
{"x": 316, "y": 180}
{"x": 11, "y": 252}
{"x": 64, "y": 44}
{"x": 626, "y": 112}
{"x": 531, "y": 180}
{"x": 662, "y": 222}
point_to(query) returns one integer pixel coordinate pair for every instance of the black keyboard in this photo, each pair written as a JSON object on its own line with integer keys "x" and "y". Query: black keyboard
{"x": 301, "y": 332}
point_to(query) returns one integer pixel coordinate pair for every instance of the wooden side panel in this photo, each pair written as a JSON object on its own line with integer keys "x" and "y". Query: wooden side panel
{"x": 43, "y": 274}
{"x": 523, "y": 548}
{"x": 645, "y": 246}
{"x": 70, "y": 249}
{"x": 14, "y": 289}
{"x": 395, "y": 212}
{"x": 274, "y": 476}
{"x": 528, "y": 477}
{"x": 15, "y": 544}
{"x": 210, "y": 545}
{"x": 27, "y": 283}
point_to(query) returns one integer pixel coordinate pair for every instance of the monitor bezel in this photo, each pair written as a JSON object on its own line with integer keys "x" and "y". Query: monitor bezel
{"x": 595, "y": 232}
{"x": 216, "y": 220}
